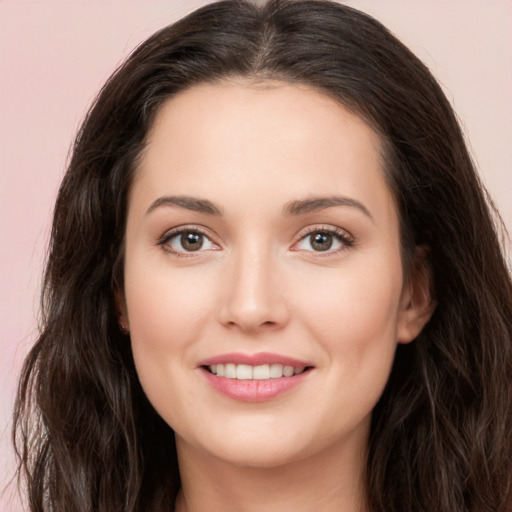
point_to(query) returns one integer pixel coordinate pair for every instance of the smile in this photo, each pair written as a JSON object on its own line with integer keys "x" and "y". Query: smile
{"x": 260, "y": 372}
{"x": 254, "y": 377}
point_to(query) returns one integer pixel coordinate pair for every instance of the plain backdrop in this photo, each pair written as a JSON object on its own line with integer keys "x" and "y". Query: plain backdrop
{"x": 55, "y": 55}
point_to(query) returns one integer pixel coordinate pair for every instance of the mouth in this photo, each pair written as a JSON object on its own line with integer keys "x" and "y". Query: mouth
{"x": 259, "y": 372}
{"x": 255, "y": 377}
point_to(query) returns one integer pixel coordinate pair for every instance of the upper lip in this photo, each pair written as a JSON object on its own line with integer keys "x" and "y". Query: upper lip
{"x": 254, "y": 360}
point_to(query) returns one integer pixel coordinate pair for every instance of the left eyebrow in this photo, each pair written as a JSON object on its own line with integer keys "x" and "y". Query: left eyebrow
{"x": 301, "y": 206}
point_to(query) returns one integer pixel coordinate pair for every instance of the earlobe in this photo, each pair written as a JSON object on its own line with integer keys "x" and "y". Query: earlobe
{"x": 417, "y": 304}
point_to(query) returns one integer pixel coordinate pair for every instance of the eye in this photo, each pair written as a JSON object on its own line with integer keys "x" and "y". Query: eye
{"x": 183, "y": 241}
{"x": 324, "y": 240}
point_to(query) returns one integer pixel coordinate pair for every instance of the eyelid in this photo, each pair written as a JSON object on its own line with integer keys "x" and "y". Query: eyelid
{"x": 185, "y": 228}
{"x": 347, "y": 240}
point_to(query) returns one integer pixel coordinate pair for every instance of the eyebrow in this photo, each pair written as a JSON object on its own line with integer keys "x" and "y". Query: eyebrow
{"x": 314, "y": 204}
{"x": 296, "y": 207}
{"x": 186, "y": 202}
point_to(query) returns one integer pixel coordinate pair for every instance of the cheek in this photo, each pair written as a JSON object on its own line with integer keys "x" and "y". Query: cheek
{"x": 166, "y": 305}
{"x": 355, "y": 328}
{"x": 356, "y": 295}
{"x": 353, "y": 314}
{"x": 168, "y": 310}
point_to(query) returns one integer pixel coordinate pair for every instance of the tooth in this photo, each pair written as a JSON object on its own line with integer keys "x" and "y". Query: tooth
{"x": 261, "y": 372}
{"x": 276, "y": 371}
{"x": 230, "y": 371}
{"x": 248, "y": 372}
{"x": 244, "y": 372}
{"x": 288, "y": 371}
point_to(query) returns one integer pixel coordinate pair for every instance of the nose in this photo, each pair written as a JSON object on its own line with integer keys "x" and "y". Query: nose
{"x": 254, "y": 294}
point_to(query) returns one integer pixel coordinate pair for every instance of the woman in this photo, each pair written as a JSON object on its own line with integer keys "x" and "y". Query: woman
{"x": 274, "y": 281}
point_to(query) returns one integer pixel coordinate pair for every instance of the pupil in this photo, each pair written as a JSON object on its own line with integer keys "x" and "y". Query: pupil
{"x": 321, "y": 241}
{"x": 192, "y": 241}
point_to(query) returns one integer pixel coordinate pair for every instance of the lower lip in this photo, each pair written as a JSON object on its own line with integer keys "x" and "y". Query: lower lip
{"x": 254, "y": 390}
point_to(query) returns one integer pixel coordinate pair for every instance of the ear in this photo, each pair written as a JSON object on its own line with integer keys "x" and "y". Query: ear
{"x": 417, "y": 302}
{"x": 122, "y": 312}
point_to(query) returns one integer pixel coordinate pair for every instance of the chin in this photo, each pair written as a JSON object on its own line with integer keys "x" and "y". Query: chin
{"x": 258, "y": 456}
{"x": 239, "y": 445}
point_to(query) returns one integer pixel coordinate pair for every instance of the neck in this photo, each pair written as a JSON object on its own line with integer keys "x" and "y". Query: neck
{"x": 329, "y": 482}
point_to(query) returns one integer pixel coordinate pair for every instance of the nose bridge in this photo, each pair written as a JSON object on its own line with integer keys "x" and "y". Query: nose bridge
{"x": 253, "y": 298}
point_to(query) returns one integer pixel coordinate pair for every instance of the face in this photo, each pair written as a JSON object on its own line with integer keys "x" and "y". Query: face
{"x": 264, "y": 290}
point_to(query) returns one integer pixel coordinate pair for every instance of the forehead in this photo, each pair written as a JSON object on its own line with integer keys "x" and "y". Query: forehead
{"x": 271, "y": 136}
{"x": 214, "y": 111}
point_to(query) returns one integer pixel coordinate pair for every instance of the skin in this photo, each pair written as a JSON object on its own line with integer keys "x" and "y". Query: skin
{"x": 258, "y": 285}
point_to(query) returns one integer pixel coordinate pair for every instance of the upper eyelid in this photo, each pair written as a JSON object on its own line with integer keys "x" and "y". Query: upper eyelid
{"x": 335, "y": 230}
{"x": 185, "y": 228}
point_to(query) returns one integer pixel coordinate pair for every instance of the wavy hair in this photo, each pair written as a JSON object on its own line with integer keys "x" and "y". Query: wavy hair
{"x": 88, "y": 439}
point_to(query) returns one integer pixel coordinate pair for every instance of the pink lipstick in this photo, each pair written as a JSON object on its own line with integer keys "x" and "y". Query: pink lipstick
{"x": 254, "y": 377}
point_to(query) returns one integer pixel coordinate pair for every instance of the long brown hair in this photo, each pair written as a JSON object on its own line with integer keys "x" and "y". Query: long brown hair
{"x": 88, "y": 439}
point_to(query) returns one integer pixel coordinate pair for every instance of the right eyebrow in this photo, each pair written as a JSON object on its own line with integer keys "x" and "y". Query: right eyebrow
{"x": 187, "y": 202}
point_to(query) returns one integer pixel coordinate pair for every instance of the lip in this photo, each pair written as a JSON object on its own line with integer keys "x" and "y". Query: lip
{"x": 255, "y": 360}
{"x": 254, "y": 390}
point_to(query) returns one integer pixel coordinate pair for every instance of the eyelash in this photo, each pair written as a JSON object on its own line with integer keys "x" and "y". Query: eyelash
{"x": 342, "y": 236}
{"x": 176, "y": 232}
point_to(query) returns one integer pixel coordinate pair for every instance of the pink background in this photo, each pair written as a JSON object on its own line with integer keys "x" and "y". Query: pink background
{"x": 55, "y": 55}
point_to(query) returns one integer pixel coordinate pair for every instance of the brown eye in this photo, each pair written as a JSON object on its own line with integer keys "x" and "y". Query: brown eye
{"x": 191, "y": 241}
{"x": 188, "y": 241}
{"x": 321, "y": 241}
{"x": 328, "y": 240}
